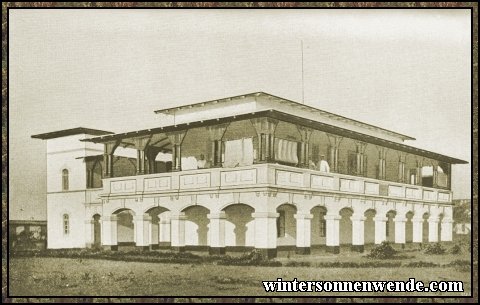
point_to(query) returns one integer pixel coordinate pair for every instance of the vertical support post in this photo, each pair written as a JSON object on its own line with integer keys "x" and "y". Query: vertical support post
{"x": 109, "y": 232}
{"x": 400, "y": 222}
{"x": 382, "y": 162}
{"x": 216, "y": 233}
{"x": 334, "y": 147}
{"x": 360, "y": 149}
{"x": 109, "y": 149}
{"x": 303, "y": 242}
{"x": 358, "y": 233}
{"x": 419, "y": 172}
{"x": 417, "y": 224}
{"x": 89, "y": 233}
{"x": 433, "y": 229}
{"x": 164, "y": 234}
{"x": 333, "y": 233}
{"x": 176, "y": 138}
{"x": 177, "y": 222}
{"x": 215, "y": 134}
{"x": 265, "y": 128}
{"x": 142, "y": 231}
{"x": 266, "y": 233}
{"x": 380, "y": 229}
{"x": 401, "y": 167}
{"x": 305, "y": 135}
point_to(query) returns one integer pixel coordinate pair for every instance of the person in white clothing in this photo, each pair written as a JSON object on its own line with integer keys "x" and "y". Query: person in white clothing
{"x": 202, "y": 163}
{"x": 323, "y": 165}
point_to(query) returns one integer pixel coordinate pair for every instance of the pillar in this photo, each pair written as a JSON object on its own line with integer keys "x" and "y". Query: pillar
{"x": 265, "y": 128}
{"x": 334, "y": 146}
{"x": 360, "y": 154}
{"x": 400, "y": 229}
{"x": 401, "y": 167}
{"x": 177, "y": 229}
{"x": 417, "y": 230}
{"x": 447, "y": 230}
{"x": 151, "y": 154}
{"x": 153, "y": 230}
{"x": 142, "y": 231}
{"x": 419, "y": 172}
{"x": 89, "y": 233}
{"x": 358, "y": 233}
{"x": 216, "y": 233}
{"x": 141, "y": 145}
{"x": 266, "y": 233}
{"x": 380, "y": 229}
{"x": 109, "y": 149}
{"x": 164, "y": 234}
{"x": 176, "y": 138}
{"x": 435, "y": 175}
{"x": 333, "y": 233}
{"x": 382, "y": 163}
{"x": 433, "y": 229}
{"x": 215, "y": 134}
{"x": 305, "y": 134}
{"x": 109, "y": 232}
{"x": 303, "y": 241}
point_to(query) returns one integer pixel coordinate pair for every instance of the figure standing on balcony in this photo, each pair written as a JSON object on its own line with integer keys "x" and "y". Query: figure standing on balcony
{"x": 202, "y": 163}
{"x": 323, "y": 165}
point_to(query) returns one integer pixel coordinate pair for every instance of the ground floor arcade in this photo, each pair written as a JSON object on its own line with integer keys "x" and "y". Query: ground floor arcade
{"x": 264, "y": 220}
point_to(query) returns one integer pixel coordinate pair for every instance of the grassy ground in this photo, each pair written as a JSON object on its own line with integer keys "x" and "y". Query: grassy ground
{"x": 43, "y": 276}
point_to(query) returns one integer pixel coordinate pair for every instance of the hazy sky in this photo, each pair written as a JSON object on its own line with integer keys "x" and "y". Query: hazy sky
{"x": 404, "y": 70}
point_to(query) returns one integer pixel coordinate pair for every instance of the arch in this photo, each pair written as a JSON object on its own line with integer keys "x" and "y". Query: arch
{"x": 239, "y": 225}
{"x": 346, "y": 225}
{"x": 65, "y": 179}
{"x": 222, "y": 208}
{"x": 425, "y": 227}
{"x": 369, "y": 226}
{"x": 125, "y": 227}
{"x": 390, "y": 226}
{"x": 186, "y": 207}
{"x": 196, "y": 225}
{"x": 286, "y": 224}
{"x": 97, "y": 230}
{"x": 409, "y": 227}
{"x": 155, "y": 213}
{"x": 318, "y": 227}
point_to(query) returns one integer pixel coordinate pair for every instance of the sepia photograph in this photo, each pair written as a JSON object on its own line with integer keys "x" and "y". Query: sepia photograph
{"x": 265, "y": 153}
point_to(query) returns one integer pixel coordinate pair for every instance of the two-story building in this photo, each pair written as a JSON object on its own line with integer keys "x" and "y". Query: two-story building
{"x": 250, "y": 171}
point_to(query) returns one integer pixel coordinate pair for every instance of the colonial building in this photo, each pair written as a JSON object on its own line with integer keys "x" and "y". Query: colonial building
{"x": 250, "y": 171}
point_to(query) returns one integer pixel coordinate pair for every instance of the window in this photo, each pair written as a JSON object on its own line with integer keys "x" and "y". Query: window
{"x": 323, "y": 226}
{"x": 65, "y": 180}
{"x": 66, "y": 224}
{"x": 281, "y": 224}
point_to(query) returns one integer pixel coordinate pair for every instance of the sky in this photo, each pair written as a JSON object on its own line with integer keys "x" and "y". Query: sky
{"x": 403, "y": 70}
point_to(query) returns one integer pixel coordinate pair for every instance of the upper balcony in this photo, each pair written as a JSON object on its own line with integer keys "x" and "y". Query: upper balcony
{"x": 259, "y": 176}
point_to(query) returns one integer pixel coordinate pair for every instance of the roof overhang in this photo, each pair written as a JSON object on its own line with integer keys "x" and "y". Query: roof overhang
{"x": 70, "y": 132}
{"x": 284, "y": 117}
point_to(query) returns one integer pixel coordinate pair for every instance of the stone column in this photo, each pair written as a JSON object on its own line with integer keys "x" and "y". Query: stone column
{"x": 419, "y": 172}
{"x": 333, "y": 233}
{"x": 164, "y": 234}
{"x": 215, "y": 134}
{"x": 177, "y": 226}
{"x": 334, "y": 147}
{"x": 433, "y": 229}
{"x": 151, "y": 154}
{"x": 358, "y": 233}
{"x": 265, "y": 128}
{"x": 89, "y": 233}
{"x": 109, "y": 232}
{"x": 360, "y": 149}
{"x": 400, "y": 229}
{"x": 216, "y": 233}
{"x": 153, "y": 234}
{"x": 417, "y": 224}
{"x": 142, "y": 231}
{"x": 266, "y": 232}
{"x": 303, "y": 233}
{"x": 305, "y": 134}
{"x": 401, "y": 167}
{"x": 109, "y": 149}
{"x": 447, "y": 230}
{"x": 176, "y": 138}
{"x": 380, "y": 229}
{"x": 382, "y": 163}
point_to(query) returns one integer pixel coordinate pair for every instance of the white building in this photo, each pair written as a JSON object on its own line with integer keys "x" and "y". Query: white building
{"x": 242, "y": 172}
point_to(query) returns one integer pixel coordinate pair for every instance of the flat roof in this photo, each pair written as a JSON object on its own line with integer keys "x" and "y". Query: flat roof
{"x": 288, "y": 118}
{"x": 293, "y": 103}
{"x": 70, "y": 132}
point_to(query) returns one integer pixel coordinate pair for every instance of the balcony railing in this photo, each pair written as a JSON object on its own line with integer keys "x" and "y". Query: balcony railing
{"x": 273, "y": 175}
